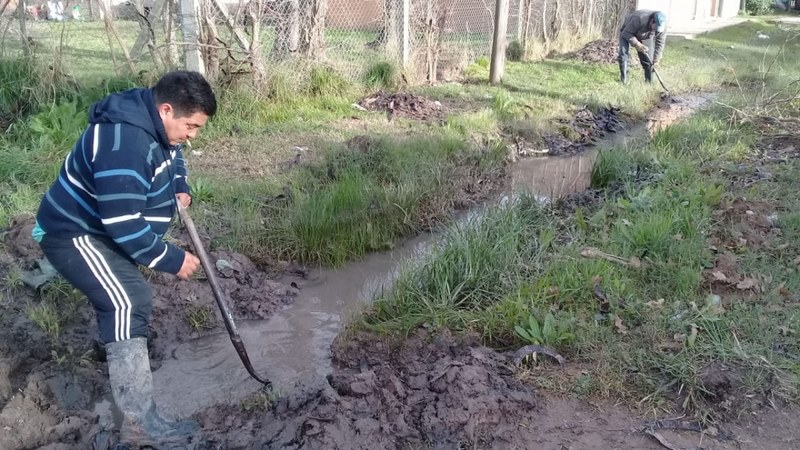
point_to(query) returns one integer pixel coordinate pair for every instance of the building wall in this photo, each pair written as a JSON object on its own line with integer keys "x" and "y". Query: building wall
{"x": 683, "y": 10}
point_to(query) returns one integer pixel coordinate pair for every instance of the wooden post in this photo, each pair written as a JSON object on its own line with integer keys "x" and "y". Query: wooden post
{"x": 405, "y": 46}
{"x": 190, "y": 26}
{"x": 499, "y": 42}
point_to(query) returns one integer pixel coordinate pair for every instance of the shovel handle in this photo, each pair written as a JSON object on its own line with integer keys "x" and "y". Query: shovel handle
{"x": 227, "y": 317}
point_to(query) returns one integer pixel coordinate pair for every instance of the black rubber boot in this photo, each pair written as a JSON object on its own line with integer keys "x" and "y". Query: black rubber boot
{"x": 623, "y": 71}
{"x": 132, "y": 389}
{"x": 648, "y": 74}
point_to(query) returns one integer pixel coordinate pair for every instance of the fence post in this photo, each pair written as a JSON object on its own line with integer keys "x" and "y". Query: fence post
{"x": 190, "y": 25}
{"x": 499, "y": 41}
{"x": 405, "y": 50}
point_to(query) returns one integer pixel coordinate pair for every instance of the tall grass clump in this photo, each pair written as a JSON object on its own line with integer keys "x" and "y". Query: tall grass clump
{"x": 381, "y": 75}
{"x": 480, "y": 261}
{"x": 362, "y": 199}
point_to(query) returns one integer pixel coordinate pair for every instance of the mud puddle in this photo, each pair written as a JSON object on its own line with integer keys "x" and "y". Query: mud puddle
{"x": 553, "y": 177}
{"x": 292, "y": 347}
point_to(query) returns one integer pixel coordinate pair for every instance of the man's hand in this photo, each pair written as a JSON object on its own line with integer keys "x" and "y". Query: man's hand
{"x": 184, "y": 198}
{"x": 655, "y": 62}
{"x": 190, "y": 265}
{"x": 641, "y": 47}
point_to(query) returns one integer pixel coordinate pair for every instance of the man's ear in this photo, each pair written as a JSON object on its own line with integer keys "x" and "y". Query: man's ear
{"x": 164, "y": 109}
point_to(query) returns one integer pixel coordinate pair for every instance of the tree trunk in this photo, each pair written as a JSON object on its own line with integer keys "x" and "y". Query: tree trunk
{"x": 313, "y": 17}
{"x": 545, "y": 35}
{"x": 23, "y": 29}
{"x": 254, "y": 54}
{"x": 211, "y": 39}
{"x": 169, "y": 33}
{"x": 287, "y": 30}
{"x": 392, "y": 26}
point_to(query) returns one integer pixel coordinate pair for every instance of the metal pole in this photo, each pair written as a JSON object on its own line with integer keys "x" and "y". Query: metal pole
{"x": 499, "y": 42}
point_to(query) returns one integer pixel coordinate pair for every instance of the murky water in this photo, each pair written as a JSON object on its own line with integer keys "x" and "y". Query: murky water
{"x": 294, "y": 345}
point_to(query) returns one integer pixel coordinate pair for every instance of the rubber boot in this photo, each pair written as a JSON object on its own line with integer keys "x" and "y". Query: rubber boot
{"x": 648, "y": 74}
{"x": 132, "y": 389}
{"x": 623, "y": 71}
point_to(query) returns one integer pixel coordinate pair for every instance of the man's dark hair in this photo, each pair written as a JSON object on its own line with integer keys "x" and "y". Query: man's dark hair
{"x": 188, "y": 92}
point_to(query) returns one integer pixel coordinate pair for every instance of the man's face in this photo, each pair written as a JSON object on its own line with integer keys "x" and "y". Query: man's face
{"x": 180, "y": 129}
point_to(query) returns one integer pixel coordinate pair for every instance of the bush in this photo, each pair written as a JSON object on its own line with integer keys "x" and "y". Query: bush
{"x": 758, "y": 7}
{"x": 515, "y": 51}
{"x": 381, "y": 74}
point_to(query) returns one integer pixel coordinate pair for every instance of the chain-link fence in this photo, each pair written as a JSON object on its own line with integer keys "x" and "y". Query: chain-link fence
{"x": 430, "y": 39}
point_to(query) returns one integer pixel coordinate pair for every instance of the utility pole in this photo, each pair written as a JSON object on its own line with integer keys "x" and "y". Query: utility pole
{"x": 499, "y": 42}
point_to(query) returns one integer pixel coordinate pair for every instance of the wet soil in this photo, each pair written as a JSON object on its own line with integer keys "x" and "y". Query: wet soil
{"x": 361, "y": 391}
{"x": 583, "y": 130}
{"x": 601, "y": 51}
{"x": 49, "y": 385}
{"x": 404, "y": 104}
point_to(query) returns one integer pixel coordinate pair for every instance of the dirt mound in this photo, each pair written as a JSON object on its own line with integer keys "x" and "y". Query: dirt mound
{"x": 431, "y": 391}
{"x": 404, "y": 104}
{"x": 583, "y": 130}
{"x": 601, "y": 51}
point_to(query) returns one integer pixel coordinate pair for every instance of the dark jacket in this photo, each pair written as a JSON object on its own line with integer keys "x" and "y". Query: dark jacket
{"x": 119, "y": 181}
{"x": 636, "y": 29}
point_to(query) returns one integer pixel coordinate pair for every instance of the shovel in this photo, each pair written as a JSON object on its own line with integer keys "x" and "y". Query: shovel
{"x": 223, "y": 305}
{"x": 655, "y": 72}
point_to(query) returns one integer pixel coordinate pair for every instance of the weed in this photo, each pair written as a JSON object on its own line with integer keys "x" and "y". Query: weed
{"x": 13, "y": 279}
{"x": 47, "y": 317}
{"x": 200, "y": 318}
{"x": 262, "y": 399}
{"x": 550, "y": 332}
{"x": 382, "y": 74}
{"x": 202, "y": 190}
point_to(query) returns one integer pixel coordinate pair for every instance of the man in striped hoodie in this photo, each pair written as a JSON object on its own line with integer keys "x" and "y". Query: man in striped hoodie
{"x": 107, "y": 213}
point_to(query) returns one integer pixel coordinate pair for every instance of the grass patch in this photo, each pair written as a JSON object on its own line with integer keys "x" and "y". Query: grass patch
{"x": 517, "y": 275}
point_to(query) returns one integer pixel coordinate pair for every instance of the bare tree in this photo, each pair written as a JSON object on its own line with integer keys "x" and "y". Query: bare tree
{"x": 287, "y": 29}
{"x": 312, "y": 42}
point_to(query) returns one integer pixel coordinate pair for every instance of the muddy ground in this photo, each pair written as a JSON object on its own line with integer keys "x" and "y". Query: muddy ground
{"x": 48, "y": 384}
{"x": 429, "y": 391}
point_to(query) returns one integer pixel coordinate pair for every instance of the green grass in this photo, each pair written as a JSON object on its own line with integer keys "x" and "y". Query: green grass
{"x": 664, "y": 328}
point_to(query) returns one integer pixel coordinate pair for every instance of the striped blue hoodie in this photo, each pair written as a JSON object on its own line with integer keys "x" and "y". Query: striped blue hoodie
{"x": 120, "y": 181}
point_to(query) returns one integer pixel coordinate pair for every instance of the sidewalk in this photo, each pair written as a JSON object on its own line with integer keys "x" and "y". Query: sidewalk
{"x": 691, "y": 28}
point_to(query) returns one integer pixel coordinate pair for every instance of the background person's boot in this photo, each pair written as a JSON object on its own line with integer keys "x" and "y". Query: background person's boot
{"x": 132, "y": 389}
{"x": 623, "y": 72}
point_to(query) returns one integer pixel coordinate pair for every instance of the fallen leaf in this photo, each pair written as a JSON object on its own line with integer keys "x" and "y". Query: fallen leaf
{"x": 747, "y": 283}
{"x": 678, "y": 237}
{"x": 679, "y": 337}
{"x": 742, "y": 242}
{"x": 621, "y": 329}
{"x": 626, "y": 222}
{"x": 719, "y": 276}
{"x": 656, "y": 304}
{"x": 784, "y": 292}
{"x": 635, "y": 262}
{"x": 554, "y": 290}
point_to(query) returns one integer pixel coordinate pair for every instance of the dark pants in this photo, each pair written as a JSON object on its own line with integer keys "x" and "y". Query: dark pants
{"x": 644, "y": 59}
{"x": 114, "y": 285}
